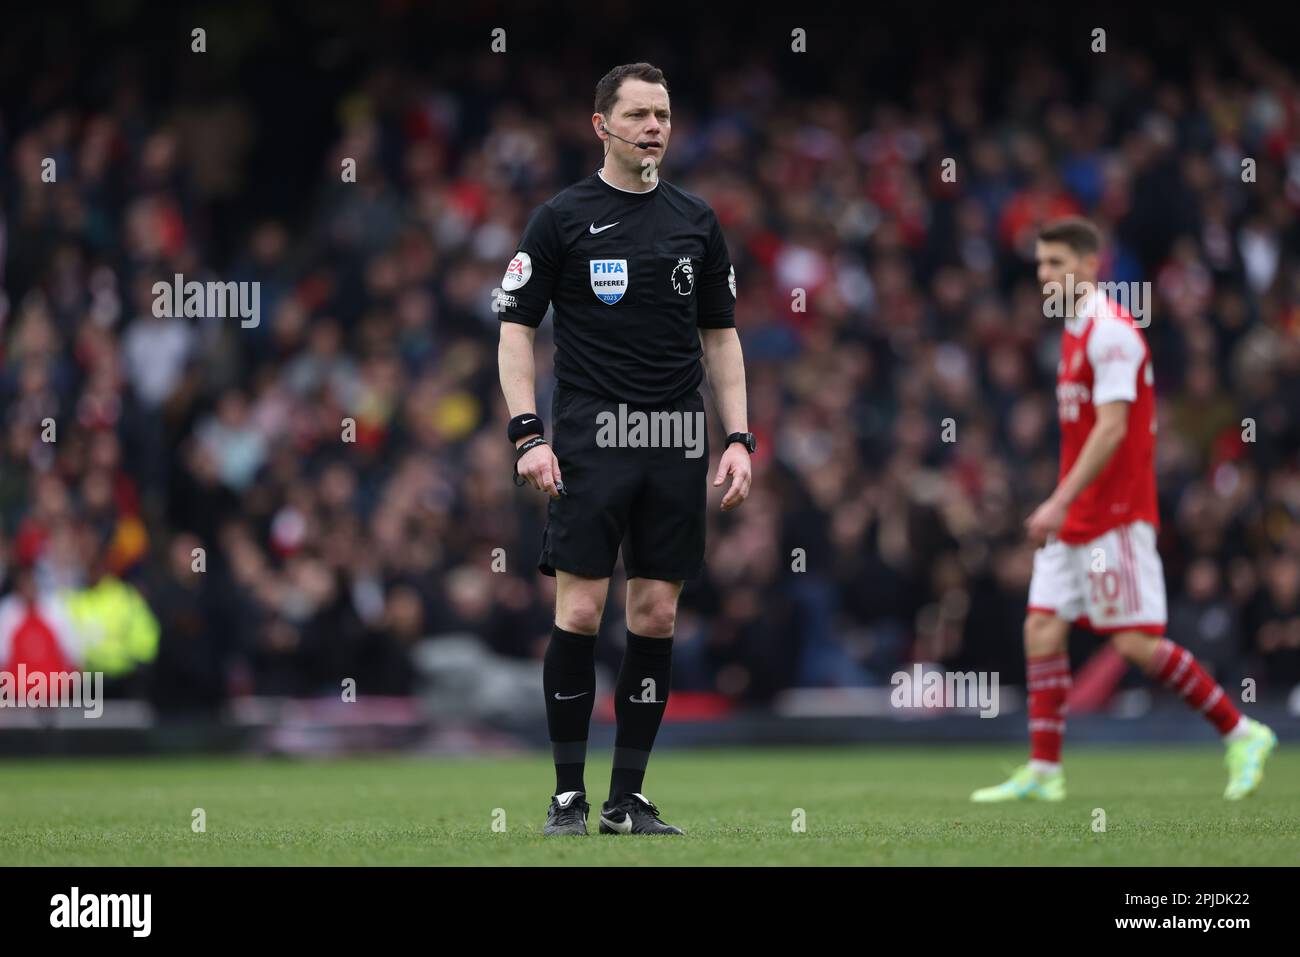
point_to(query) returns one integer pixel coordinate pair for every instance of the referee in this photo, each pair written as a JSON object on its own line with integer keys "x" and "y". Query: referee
{"x": 643, "y": 290}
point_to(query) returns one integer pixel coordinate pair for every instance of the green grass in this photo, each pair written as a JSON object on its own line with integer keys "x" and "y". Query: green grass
{"x": 863, "y": 805}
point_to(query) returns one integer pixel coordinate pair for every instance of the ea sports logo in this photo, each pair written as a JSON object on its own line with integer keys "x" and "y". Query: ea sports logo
{"x": 518, "y": 272}
{"x": 683, "y": 277}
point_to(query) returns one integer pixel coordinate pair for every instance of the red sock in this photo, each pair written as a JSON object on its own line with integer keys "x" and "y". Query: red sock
{"x": 1179, "y": 670}
{"x": 1049, "y": 686}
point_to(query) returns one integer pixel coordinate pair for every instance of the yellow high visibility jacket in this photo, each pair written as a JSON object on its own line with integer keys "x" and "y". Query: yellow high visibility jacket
{"x": 115, "y": 626}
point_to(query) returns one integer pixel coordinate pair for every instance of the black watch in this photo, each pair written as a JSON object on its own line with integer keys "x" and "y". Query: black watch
{"x": 744, "y": 438}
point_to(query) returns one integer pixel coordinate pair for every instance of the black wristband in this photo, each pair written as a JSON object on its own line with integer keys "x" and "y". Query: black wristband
{"x": 529, "y": 423}
{"x": 520, "y": 452}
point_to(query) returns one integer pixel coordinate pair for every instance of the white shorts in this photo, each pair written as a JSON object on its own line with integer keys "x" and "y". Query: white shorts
{"x": 1112, "y": 583}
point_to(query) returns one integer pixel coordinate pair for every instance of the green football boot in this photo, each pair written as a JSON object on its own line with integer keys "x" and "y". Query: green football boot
{"x": 1245, "y": 760}
{"x": 1025, "y": 785}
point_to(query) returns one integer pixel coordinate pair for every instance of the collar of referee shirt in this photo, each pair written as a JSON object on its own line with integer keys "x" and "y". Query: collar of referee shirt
{"x": 630, "y": 192}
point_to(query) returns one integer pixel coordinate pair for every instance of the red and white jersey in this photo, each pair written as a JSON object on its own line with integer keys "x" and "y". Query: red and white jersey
{"x": 1104, "y": 358}
{"x": 37, "y": 635}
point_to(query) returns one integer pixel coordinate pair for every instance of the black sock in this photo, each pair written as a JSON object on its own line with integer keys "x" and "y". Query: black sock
{"x": 569, "y": 681}
{"x": 644, "y": 676}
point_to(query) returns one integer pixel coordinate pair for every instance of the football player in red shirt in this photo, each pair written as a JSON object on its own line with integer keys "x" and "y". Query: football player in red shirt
{"x": 1097, "y": 563}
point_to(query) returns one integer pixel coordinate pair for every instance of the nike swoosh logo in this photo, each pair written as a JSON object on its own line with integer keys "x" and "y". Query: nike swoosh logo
{"x": 594, "y": 230}
{"x": 635, "y": 700}
{"x": 568, "y": 697}
{"x": 623, "y": 827}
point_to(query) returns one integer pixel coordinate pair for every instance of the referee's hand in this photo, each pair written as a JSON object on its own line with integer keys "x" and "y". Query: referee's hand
{"x": 735, "y": 462}
{"x": 541, "y": 468}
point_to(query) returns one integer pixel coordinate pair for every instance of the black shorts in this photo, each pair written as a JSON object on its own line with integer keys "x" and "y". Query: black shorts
{"x": 623, "y": 490}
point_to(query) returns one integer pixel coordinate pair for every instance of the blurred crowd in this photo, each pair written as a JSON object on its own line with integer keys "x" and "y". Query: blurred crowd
{"x": 303, "y": 501}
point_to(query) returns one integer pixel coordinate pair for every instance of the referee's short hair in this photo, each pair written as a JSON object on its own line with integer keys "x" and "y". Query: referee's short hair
{"x": 1075, "y": 231}
{"x": 607, "y": 88}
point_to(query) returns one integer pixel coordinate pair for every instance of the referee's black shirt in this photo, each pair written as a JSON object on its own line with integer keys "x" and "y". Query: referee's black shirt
{"x": 631, "y": 277}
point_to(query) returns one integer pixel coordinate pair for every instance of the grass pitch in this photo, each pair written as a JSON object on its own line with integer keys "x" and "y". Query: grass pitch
{"x": 862, "y": 806}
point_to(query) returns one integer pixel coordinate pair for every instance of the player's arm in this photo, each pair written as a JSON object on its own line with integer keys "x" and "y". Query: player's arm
{"x": 521, "y": 304}
{"x": 1116, "y": 354}
{"x": 1105, "y": 437}
{"x": 724, "y": 362}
